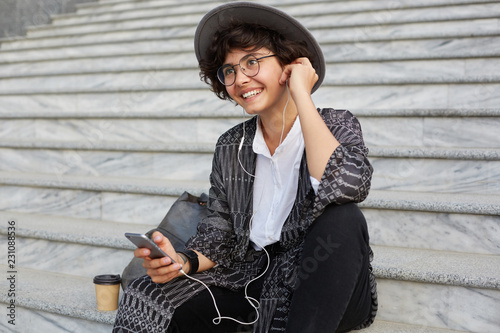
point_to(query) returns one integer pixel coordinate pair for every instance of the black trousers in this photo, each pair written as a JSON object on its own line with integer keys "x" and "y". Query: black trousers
{"x": 333, "y": 292}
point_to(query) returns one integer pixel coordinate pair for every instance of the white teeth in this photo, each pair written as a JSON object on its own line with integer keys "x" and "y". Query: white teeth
{"x": 251, "y": 93}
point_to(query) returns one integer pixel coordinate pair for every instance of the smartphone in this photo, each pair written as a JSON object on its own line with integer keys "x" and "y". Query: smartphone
{"x": 141, "y": 240}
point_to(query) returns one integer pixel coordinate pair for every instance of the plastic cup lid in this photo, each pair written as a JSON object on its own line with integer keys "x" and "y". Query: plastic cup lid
{"x": 107, "y": 279}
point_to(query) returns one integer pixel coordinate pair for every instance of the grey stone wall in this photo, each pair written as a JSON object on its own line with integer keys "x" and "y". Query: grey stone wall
{"x": 16, "y": 15}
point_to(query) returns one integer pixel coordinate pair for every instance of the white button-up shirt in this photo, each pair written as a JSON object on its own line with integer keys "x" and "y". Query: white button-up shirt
{"x": 275, "y": 184}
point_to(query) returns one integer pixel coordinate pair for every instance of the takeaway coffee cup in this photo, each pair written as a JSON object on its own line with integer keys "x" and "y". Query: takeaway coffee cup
{"x": 107, "y": 289}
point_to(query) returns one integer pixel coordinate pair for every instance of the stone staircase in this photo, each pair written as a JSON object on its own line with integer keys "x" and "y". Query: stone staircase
{"x": 104, "y": 122}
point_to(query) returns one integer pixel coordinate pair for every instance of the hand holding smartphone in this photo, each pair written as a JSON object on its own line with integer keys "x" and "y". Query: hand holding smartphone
{"x": 141, "y": 240}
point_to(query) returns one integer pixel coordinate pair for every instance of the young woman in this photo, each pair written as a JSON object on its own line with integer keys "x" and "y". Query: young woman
{"x": 284, "y": 248}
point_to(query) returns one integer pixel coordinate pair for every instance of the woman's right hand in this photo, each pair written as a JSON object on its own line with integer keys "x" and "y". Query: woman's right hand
{"x": 161, "y": 270}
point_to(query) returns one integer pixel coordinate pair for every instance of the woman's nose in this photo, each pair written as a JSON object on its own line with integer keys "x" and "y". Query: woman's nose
{"x": 241, "y": 78}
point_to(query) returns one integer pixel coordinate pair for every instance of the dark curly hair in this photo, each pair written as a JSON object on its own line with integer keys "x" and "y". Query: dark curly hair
{"x": 250, "y": 37}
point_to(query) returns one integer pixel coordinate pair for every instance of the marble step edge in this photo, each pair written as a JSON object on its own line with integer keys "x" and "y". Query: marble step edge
{"x": 39, "y": 293}
{"x": 146, "y": 5}
{"x": 229, "y": 113}
{"x": 146, "y": 69}
{"x": 188, "y": 34}
{"x": 104, "y": 3}
{"x": 382, "y": 326}
{"x": 202, "y": 148}
{"x": 485, "y": 80}
{"x": 332, "y": 82}
{"x": 403, "y": 264}
{"x": 392, "y": 20}
{"x": 100, "y": 233}
{"x": 438, "y": 202}
{"x": 63, "y": 294}
{"x": 462, "y": 203}
{"x": 440, "y": 55}
{"x": 145, "y": 186}
{"x": 107, "y": 3}
{"x": 437, "y": 267}
{"x": 478, "y": 154}
{"x": 60, "y": 32}
{"x": 435, "y": 153}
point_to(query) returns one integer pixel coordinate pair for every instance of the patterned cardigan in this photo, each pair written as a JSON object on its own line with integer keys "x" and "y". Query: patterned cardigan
{"x": 224, "y": 236}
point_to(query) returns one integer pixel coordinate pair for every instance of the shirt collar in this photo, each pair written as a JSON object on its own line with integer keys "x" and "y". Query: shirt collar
{"x": 259, "y": 144}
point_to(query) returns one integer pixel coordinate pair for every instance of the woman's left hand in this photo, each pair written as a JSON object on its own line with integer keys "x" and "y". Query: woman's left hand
{"x": 301, "y": 76}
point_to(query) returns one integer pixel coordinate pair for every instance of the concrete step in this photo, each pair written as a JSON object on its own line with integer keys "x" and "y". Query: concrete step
{"x": 133, "y": 47}
{"x": 381, "y": 326}
{"x": 407, "y": 30}
{"x": 439, "y": 231}
{"x": 433, "y": 202}
{"x": 93, "y": 198}
{"x": 400, "y": 96}
{"x": 122, "y": 11}
{"x": 433, "y": 175}
{"x": 437, "y": 306}
{"x": 185, "y": 67}
{"x": 405, "y": 264}
{"x": 439, "y": 29}
{"x": 95, "y": 162}
{"x": 143, "y": 62}
{"x": 78, "y": 231}
{"x": 440, "y": 132}
{"x": 463, "y": 133}
{"x": 148, "y": 97}
{"x": 54, "y": 311}
{"x": 38, "y": 107}
{"x": 473, "y": 154}
{"x": 141, "y": 10}
{"x": 97, "y": 198}
{"x": 438, "y": 48}
{"x": 110, "y": 6}
{"x": 94, "y": 132}
{"x": 450, "y": 172}
{"x": 316, "y": 15}
{"x": 120, "y": 104}
{"x": 189, "y": 79}
{"x": 167, "y": 79}
{"x": 35, "y": 321}
{"x": 342, "y": 6}
{"x": 72, "y": 246}
{"x": 464, "y": 279}
{"x": 421, "y": 48}
{"x": 59, "y": 295}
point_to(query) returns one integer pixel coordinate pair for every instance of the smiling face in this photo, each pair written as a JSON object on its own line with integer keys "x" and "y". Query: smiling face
{"x": 261, "y": 93}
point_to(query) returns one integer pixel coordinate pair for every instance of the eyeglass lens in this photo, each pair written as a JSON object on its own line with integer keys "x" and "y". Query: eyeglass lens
{"x": 249, "y": 65}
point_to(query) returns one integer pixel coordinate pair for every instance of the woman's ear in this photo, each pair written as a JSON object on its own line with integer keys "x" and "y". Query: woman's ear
{"x": 283, "y": 80}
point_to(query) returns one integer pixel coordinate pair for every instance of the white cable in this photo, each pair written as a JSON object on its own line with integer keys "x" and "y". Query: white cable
{"x": 287, "y": 100}
{"x": 252, "y": 301}
{"x": 281, "y": 137}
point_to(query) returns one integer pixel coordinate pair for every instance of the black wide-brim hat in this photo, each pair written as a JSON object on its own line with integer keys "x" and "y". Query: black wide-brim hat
{"x": 254, "y": 13}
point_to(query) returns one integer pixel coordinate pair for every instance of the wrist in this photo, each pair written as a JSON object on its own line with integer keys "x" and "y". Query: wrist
{"x": 184, "y": 261}
{"x": 303, "y": 100}
{"x": 190, "y": 259}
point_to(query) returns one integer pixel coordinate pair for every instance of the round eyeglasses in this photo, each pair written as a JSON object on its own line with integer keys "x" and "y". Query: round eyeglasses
{"x": 249, "y": 65}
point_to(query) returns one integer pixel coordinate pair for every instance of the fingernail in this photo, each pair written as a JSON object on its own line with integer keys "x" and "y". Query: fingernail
{"x": 157, "y": 238}
{"x": 166, "y": 261}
